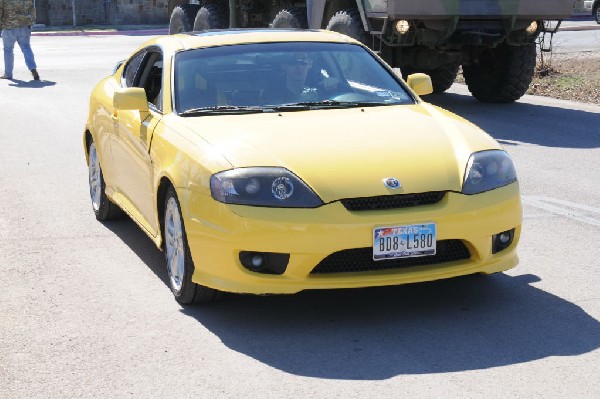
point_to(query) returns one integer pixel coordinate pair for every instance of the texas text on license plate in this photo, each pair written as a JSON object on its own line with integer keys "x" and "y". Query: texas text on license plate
{"x": 404, "y": 241}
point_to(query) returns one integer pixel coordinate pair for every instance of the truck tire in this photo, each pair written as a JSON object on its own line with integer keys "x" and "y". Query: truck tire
{"x": 503, "y": 74}
{"x": 294, "y": 18}
{"x": 348, "y": 22}
{"x": 212, "y": 16}
{"x": 596, "y": 12}
{"x": 182, "y": 18}
{"x": 441, "y": 78}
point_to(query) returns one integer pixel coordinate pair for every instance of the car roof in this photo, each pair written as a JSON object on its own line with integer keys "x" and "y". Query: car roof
{"x": 224, "y": 37}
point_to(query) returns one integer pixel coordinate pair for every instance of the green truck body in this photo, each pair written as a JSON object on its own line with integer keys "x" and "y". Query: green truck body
{"x": 493, "y": 40}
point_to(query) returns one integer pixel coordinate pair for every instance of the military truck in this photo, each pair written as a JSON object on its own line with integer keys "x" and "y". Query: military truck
{"x": 493, "y": 40}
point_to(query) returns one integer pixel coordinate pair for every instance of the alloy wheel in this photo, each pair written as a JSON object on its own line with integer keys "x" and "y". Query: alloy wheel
{"x": 174, "y": 248}
{"x": 95, "y": 178}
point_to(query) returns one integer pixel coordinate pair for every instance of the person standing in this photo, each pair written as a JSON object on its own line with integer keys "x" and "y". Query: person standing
{"x": 16, "y": 18}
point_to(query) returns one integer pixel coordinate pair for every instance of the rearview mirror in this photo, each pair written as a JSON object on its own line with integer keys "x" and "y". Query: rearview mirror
{"x": 130, "y": 98}
{"x": 420, "y": 83}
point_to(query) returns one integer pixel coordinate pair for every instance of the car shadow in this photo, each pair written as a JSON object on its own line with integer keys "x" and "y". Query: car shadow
{"x": 468, "y": 323}
{"x": 31, "y": 84}
{"x": 519, "y": 122}
{"x": 141, "y": 245}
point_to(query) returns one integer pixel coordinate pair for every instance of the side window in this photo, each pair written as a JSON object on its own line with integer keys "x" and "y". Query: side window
{"x": 131, "y": 69}
{"x": 151, "y": 78}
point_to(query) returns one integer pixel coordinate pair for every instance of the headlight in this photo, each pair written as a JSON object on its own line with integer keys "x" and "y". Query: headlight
{"x": 262, "y": 186}
{"x": 488, "y": 170}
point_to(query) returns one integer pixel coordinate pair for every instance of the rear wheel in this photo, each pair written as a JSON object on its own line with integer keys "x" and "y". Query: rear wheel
{"x": 348, "y": 22}
{"x": 212, "y": 16}
{"x": 294, "y": 18}
{"x": 182, "y": 18}
{"x": 502, "y": 75}
{"x": 596, "y": 12}
{"x": 180, "y": 265}
{"x": 103, "y": 208}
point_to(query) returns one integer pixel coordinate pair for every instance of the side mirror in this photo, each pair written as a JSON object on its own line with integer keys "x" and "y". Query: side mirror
{"x": 130, "y": 98}
{"x": 420, "y": 83}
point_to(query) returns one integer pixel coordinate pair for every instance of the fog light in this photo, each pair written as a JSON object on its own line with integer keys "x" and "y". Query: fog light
{"x": 257, "y": 261}
{"x": 502, "y": 240}
{"x": 264, "y": 262}
{"x": 532, "y": 28}
{"x": 402, "y": 26}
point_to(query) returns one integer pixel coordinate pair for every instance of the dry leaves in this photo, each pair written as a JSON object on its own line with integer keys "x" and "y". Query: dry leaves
{"x": 573, "y": 77}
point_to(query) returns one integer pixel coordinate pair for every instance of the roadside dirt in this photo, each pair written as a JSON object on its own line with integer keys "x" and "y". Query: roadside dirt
{"x": 574, "y": 77}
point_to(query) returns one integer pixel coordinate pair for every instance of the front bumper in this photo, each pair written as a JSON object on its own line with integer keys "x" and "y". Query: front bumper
{"x": 217, "y": 233}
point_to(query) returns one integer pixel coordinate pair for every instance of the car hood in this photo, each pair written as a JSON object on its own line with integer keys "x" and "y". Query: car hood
{"x": 347, "y": 153}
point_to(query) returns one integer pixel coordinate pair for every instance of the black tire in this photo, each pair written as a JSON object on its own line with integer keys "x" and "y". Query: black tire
{"x": 189, "y": 292}
{"x": 441, "y": 78}
{"x": 348, "y": 22}
{"x": 212, "y": 16}
{"x": 103, "y": 208}
{"x": 291, "y": 18}
{"x": 596, "y": 12}
{"x": 503, "y": 74}
{"x": 182, "y": 18}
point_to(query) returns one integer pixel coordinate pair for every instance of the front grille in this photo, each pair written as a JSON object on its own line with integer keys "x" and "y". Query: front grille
{"x": 392, "y": 201}
{"x": 361, "y": 259}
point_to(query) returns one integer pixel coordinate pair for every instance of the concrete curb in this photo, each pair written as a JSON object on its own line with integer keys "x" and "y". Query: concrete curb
{"x": 164, "y": 31}
{"x": 578, "y": 28}
{"x": 141, "y": 32}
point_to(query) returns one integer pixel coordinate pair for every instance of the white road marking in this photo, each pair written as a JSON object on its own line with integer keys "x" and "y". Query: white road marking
{"x": 569, "y": 209}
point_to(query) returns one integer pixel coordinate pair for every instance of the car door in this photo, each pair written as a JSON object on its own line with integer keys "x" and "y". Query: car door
{"x": 131, "y": 144}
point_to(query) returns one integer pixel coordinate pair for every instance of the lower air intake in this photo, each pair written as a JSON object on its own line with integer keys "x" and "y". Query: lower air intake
{"x": 361, "y": 259}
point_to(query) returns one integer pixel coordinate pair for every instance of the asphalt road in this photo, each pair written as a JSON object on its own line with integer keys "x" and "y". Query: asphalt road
{"x": 85, "y": 311}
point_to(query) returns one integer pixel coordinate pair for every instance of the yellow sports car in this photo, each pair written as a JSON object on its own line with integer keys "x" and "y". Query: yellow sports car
{"x": 274, "y": 161}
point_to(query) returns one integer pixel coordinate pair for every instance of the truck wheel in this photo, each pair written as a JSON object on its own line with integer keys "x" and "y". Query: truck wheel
{"x": 294, "y": 18}
{"x": 182, "y": 18}
{"x": 441, "y": 78}
{"x": 596, "y": 12}
{"x": 503, "y": 74}
{"x": 348, "y": 22}
{"x": 212, "y": 16}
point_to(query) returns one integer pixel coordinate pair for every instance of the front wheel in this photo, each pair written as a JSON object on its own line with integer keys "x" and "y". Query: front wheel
{"x": 180, "y": 265}
{"x": 441, "y": 78}
{"x": 348, "y": 22}
{"x": 292, "y": 18}
{"x": 182, "y": 18}
{"x": 502, "y": 75}
{"x": 596, "y": 12}
{"x": 103, "y": 208}
{"x": 212, "y": 16}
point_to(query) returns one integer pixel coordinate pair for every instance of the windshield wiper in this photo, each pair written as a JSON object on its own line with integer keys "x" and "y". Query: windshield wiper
{"x": 327, "y": 104}
{"x": 222, "y": 109}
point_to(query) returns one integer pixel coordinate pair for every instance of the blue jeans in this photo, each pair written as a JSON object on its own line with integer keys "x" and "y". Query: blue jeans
{"x": 21, "y": 36}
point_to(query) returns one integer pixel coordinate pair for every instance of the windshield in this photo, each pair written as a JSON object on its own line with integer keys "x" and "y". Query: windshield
{"x": 287, "y": 76}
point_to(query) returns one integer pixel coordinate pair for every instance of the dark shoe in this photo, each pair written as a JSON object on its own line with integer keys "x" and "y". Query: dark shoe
{"x": 36, "y": 76}
{"x": 5, "y": 77}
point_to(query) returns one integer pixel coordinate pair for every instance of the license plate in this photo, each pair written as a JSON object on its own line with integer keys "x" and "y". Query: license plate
{"x": 404, "y": 241}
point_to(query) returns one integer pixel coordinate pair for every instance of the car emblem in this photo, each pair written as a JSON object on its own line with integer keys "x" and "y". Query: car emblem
{"x": 392, "y": 183}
